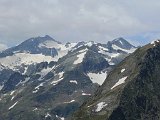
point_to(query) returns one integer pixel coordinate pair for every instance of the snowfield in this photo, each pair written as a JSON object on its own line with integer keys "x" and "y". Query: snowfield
{"x": 24, "y": 58}
{"x": 97, "y": 77}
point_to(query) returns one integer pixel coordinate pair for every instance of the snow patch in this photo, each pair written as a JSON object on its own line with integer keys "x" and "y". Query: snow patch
{"x": 89, "y": 106}
{"x": 62, "y": 118}
{"x": 123, "y": 70}
{"x": 86, "y": 94}
{"x": 12, "y": 92}
{"x": 35, "y": 91}
{"x": 70, "y": 101}
{"x": 121, "y": 81}
{"x": 37, "y": 88}
{"x": 111, "y": 63}
{"x": 61, "y": 74}
{"x": 12, "y": 106}
{"x": 83, "y": 50}
{"x": 80, "y": 56}
{"x": 55, "y": 82}
{"x": 23, "y": 82}
{"x": 100, "y": 106}
{"x": 35, "y": 109}
{"x": 115, "y": 55}
{"x": 97, "y": 77}
{"x": 121, "y": 42}
{"x": 12, "y": 97}
{"x": 47, "y": 115}
{"x": 25, "y": 70}
{"x": 103, "y": 48}
{"x": 73, "y": 81}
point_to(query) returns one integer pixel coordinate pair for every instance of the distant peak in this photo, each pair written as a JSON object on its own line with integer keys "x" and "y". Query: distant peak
{"x": 119, "y": 39}
{"x": 48, "y": 37}
{"x": 42, "y": 39}
{"x": 122, "y": 43}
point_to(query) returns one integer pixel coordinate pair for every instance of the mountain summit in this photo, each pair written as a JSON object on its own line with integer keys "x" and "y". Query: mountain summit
{"x": 37, "y": 45}
{"x": 122, "y": 43}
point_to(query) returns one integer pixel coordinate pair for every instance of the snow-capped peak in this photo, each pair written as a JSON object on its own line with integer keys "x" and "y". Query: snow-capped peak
{"x": 122, "y": 43}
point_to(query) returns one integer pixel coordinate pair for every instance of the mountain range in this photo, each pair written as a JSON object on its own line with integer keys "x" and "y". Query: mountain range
{"x": 44, "y": 79}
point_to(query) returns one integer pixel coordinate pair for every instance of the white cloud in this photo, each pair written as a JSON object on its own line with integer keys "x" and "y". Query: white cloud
{"x": 74, "y": 20}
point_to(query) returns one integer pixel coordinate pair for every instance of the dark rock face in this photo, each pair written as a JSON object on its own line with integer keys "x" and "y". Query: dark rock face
{"x": 5, "y": 75}
{"x": 138, "y": 98}
{"x": 12, "y": 82}
{"x": 94, "y": 62}
{"x": 117, "y": 115}
{"x": 144, "y": 101}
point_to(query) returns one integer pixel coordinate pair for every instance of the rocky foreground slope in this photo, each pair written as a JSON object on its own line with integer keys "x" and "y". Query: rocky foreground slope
{"x": 130, "y": 92}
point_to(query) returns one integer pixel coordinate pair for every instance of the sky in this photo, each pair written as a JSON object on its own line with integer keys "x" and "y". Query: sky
{"x": 79, "y": 20}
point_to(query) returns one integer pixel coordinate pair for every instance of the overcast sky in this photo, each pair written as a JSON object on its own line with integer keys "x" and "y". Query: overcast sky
{"x": 79, "y": 20}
